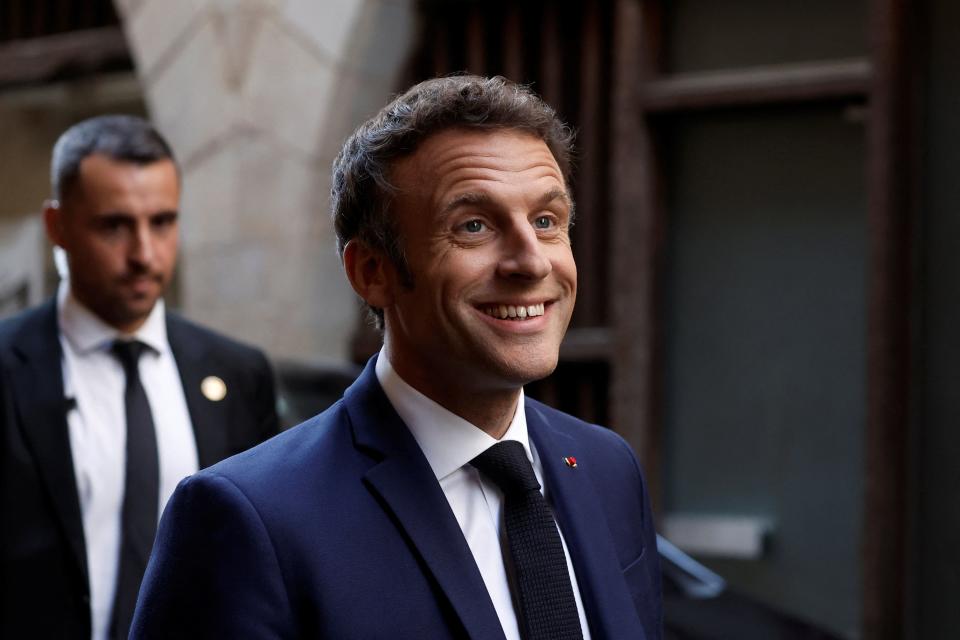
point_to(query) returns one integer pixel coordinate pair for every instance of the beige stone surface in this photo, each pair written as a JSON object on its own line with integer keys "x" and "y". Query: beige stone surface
{"x": 382, "y": 38}
{"x": 291, "y": 298}
{"x": 256, "y": 97}
{"x": 359, "y": 96}
{"x": 188, "y": 100}
{"x": 246, "y": 5}
{"x": 329, "y": 25}
{"x": 288, "y": 89}
{"x": 127, "y": 8}
{"x": 22, "y": 248}
{"x": 158, "y": 29}
{"x": 237, "y": 32}
{"x": 253, "y": 188}
{"x": 208, "y": 206}
{"x": 330, "y": 308}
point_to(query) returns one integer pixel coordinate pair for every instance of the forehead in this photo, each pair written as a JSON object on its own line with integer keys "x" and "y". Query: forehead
{"x": 102, "y": 178}
{"x": 456, "y": 161}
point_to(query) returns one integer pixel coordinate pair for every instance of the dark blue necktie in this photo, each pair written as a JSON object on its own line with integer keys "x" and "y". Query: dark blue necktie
{"x": 141, "y": 493}
{"x": 548, "y": 610}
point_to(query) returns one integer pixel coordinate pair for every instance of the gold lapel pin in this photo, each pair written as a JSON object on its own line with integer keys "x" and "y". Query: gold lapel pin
{"x": 213, "y": 388}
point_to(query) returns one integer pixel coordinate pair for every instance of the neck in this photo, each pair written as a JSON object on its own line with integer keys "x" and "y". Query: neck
{"x": 490, "y": 410}
{"x": 493, "y": 413}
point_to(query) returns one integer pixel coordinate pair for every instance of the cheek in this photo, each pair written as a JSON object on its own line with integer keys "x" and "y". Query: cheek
{"x": 94, "y": 266}
{"x": 452, "y": 274}
{"x": 469, "y": 267}
{"x": 565, "y": 267}
{"x": 102, "y": 257}
{"x": 165, "y": 253}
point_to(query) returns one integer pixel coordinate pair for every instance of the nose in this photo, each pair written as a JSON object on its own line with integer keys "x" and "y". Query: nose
{"x": 523, "y": 255}
{"x": 142, "y": 249}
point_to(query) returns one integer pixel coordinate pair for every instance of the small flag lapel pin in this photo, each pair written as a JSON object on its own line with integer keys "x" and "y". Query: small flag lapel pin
{"x": 571, "y": 462}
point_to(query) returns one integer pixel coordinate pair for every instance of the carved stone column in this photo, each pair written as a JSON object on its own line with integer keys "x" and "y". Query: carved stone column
{"x": 256, "y": 97}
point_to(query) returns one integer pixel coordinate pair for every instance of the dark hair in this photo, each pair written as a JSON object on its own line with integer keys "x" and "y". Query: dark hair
{"x": 361, "y": 193}
{"x": 119, "y": 137}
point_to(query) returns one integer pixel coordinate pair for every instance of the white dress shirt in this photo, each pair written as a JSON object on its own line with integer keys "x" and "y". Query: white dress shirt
{"x": 449, "y": 443}
{"x": 97, "y": 429}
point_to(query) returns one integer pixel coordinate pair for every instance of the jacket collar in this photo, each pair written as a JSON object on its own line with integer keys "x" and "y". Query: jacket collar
{"x": 404, "y": 481}
{"x": 37, "y": 380}
{"x": 448, "y": 441}
{"x": 606, "y": 597}
{"x": 191, "y": 353}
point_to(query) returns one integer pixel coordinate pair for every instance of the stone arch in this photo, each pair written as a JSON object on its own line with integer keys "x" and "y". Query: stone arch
{"x": 256, "y": 97}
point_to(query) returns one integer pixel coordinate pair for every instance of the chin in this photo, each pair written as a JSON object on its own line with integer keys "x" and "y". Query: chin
{"x": 533, "y": 370}
{"x": 134, "y": 314}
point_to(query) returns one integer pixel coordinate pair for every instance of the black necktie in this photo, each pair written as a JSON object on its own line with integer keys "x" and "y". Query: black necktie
{"x": 548, "y": 610}
{"x": 141, "y": 492}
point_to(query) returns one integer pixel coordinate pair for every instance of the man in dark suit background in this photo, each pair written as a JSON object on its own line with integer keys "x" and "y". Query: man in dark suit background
{"x": 107, "y": 400}
{"x": 434, "y": 500}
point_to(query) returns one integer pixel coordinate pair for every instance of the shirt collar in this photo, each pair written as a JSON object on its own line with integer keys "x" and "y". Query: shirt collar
{"x": 447, "y": 440}
{"x": 87, "y": 332}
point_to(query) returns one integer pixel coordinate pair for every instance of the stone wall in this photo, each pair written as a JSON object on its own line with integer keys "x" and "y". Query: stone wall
{"x": 256, "y": 97}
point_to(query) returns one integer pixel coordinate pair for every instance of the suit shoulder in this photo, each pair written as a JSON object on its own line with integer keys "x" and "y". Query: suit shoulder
{"x": 9, "y": 327}
{"x": 14, "y": 329}
{"x": 292, "y": 454}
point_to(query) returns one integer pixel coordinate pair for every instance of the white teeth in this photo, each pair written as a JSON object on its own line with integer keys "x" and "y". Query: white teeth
{"x": 516, "y": 312}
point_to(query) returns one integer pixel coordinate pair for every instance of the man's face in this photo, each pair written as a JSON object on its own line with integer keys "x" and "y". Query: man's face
{"x": 484, "y": 221}
{"x": 118, "y": 226}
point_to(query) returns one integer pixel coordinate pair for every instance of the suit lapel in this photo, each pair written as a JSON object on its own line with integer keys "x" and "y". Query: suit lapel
{"x": 37, "y": 380}
{"x": 403, "y": 480}
{"x": 209, "y": 418}
{"x": 606, "y": 598}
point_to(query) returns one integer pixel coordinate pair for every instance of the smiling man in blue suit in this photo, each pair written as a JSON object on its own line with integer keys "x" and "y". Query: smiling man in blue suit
{"x": 434, "y": 500}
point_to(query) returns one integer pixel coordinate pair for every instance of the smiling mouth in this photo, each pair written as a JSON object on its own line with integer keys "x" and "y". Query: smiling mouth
{"x": 514, "y": 312}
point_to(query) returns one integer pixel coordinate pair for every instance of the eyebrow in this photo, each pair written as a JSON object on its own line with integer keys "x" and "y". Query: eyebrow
{"x": 556, "y": 194}
{"x": 480, "y": 198}
{"x": 119, "y": 213}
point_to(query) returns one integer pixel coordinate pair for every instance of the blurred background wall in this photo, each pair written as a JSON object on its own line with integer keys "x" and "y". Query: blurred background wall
{"x": 767, "y": 239}
{"x": 255, "y": 97}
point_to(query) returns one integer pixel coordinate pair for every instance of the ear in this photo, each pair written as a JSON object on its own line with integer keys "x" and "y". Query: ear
{"x": 371, "y": 274}
{"x": 53, "y": 222}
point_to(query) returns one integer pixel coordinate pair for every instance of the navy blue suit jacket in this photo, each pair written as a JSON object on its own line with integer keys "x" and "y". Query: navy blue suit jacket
{"x": 339, "y": 529}
{"x": 44, "y": 586}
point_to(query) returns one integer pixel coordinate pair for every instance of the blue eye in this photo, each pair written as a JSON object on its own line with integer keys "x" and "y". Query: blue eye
{"x": 543, "y": 222}
{"x": 473, "y": 226}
